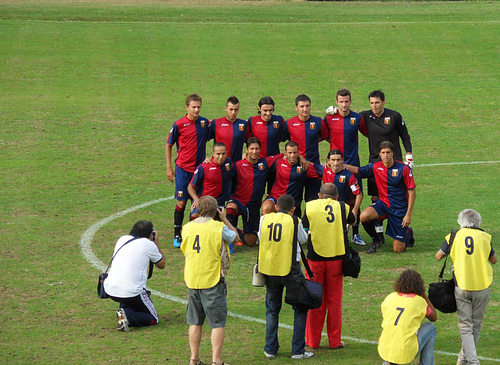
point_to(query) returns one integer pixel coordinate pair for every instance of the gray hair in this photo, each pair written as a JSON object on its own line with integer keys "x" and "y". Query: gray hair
{"x": 329, "y": 190}
{"x": 469, "y": 218}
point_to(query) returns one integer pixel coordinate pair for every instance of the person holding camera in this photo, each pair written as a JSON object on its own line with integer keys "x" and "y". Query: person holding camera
{"x": 126, "y": 281}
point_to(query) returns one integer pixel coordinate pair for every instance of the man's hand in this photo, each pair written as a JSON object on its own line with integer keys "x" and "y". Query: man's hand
{"x": 332, "y": 110}
{"x": 222, "y": 213}
{"x": 304, "y": 163}
{"x": 406, "y": 220}
{"x": 170, "y": 174}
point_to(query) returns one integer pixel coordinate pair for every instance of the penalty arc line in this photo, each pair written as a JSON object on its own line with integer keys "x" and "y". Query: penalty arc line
{"x": 86, "y": 249}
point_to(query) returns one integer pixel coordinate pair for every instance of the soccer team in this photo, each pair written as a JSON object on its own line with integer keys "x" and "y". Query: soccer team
{"x": 238, "y": 180}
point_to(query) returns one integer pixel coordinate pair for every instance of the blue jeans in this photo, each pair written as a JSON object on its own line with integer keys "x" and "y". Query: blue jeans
{"x": 426, "y": 336}
{"x": 274, "y": 300}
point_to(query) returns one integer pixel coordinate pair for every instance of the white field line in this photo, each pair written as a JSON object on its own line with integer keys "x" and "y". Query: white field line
{"x": 291, "y": 23}
{"x": 85, "y": 247}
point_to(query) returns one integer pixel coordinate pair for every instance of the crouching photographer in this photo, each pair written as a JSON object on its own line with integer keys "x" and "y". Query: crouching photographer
{"x": 126, "y": 281}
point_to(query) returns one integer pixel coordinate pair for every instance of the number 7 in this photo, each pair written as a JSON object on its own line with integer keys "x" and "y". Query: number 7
{"x": 401, "y": 310}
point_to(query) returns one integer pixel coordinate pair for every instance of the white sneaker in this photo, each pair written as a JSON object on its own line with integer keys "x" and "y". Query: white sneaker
{"x": 305, "y": 355}
{"x": 269, "y": 356}
{"x": 358, "y": 240}
{"x": 122, "y": 320}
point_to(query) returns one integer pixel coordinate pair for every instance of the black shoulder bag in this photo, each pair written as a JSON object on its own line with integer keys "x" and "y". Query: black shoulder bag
{"x": 101, "y": 293}
{"x": 352, "y": 262}
{"x": 300, "y": 292}
{"x": 442, "y": 293}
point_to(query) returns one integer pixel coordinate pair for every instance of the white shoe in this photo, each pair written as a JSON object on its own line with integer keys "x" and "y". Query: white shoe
{"x": 122, "y": 320}
{"x": 358, "y": 240}
{"x": 305, "y": 355}
{"x": 269, "y": 356}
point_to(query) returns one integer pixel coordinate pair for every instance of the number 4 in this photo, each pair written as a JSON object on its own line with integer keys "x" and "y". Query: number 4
{"x": 196, "y": 244}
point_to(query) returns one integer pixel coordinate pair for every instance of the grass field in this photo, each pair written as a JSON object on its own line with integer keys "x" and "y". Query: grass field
{"x": 89, "y": 90}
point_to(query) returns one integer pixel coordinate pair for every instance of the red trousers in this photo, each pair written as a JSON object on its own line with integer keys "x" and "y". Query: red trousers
{"x": 329, "y": 273}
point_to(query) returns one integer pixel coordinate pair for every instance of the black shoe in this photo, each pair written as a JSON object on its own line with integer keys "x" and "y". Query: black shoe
{"x": 410, "y": 240}
{"x": 373, "y": 247}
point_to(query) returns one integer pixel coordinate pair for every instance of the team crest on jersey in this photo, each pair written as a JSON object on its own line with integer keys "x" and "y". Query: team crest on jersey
{"x": 353, "y": 121}
{"x": 394, "y": 172}
{"x": 242, "y": 127}
{"x": 299, "y": 169}
{"x": 261, "y": 166}
{"x": 312, "y": 125}
{"x": 228, "y": 167}
{"x": 202, "y": 123}
{"x": 387, "y": 120}
{"x": 341, "y": 179}
{"x": 180, "y": 193}
{"x": 276, "y": 124}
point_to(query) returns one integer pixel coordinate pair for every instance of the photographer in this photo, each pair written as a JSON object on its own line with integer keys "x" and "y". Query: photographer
{"x": 126, "y": 281}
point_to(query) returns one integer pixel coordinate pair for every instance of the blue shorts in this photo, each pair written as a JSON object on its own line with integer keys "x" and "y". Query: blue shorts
{"x": 182, "y": 180}
{"x": 394, "y": 220}
{"x": 250, "y": 216}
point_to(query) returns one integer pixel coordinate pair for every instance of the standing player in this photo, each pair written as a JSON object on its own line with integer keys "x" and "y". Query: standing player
{"x": 249, "y": 183}
{"x": 267, "y": 127}
{"x": 212, "y": 178}
{"x": 344, "y": 125}
{"x": 290, "y": 179}
{"x": 348, "y": 187}
{"x": 307, "y": 131}
{"x": 396, "y": 186}
{"x": 230, "y": 130}
{"x": 382, "y": 124}
{"x": 190, "y": 133}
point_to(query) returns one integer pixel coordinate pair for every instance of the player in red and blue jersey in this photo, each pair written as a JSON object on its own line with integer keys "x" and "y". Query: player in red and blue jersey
{"x": 348, "y": 187}
{"x": 290, "y": 179}
{"x": 249, "y": 180}
{"x": 212, "y": 178}
{"x": 397, "y": 194}
{"x": 344, "y": 126}
{"x": 190, "y": 134}
{"x": 307, "y": 131}
{"x": 231, "y": 130}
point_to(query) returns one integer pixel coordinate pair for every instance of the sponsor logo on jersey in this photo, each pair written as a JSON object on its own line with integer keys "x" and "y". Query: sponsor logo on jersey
{"x": 241, "y": 127}
{"x": 224, "y": 125}
{"x": 228, "y": 167}
{"x": 202, "y": 123}
{"x": 394, "y": 172}
{"x": 312, "y": 125}
{"x": 180, "y": 193}
{"x": 387, "y": 120}
{"x": 341, "y": 179}
{"x": 353, "y": 121}
{"x": 213, "y": 168}
{"x": 261, "y": 166}
{"x": 296, "y": 124}
{"x": 276, "y": 124}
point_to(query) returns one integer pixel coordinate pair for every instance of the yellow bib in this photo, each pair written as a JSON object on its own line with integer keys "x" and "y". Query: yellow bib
{"x": 402, "y": 317}
{"x": 325, "y": 226}
{"x": 201, "y": 245}
{"x": 470, "y": 252}
{"x": 276, "y": 244}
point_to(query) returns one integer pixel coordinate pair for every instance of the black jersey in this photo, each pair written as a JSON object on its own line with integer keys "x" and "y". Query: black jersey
{"x": 390, "y": 126}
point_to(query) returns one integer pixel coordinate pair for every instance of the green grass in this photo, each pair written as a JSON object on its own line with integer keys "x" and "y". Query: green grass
{"x": 90, "y": 89}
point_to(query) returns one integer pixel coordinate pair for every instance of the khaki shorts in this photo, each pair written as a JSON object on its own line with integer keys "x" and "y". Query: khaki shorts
{"x": 210, "y": 303}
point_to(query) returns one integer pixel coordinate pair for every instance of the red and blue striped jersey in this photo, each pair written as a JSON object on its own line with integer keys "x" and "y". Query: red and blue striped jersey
{"x": 250, "y": 180}
{"x": 233, "y": 135}
{"x": 392, "y": 183}
{"x": 307, "y": 135}
{"x": 346, "y": 183}
{"x": 213, "y": 180}
{"x": 344, "y": 135}
{"x": 290, "y": 179}
{"x": 270, "y": 134}
{"x": 191, "y": 139}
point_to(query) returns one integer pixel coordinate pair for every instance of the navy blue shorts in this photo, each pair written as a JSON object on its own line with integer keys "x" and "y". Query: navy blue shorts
{"x": 182, "y": 180}
{"x": 394, "y": 220}
{"x": 250, "y": 216}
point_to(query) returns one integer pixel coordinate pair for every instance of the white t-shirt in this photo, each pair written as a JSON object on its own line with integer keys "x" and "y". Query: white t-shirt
{"x": 129, "y": 271}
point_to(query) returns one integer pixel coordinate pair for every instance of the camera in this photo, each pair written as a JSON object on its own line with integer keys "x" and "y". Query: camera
{"x": 153, "y": 233}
